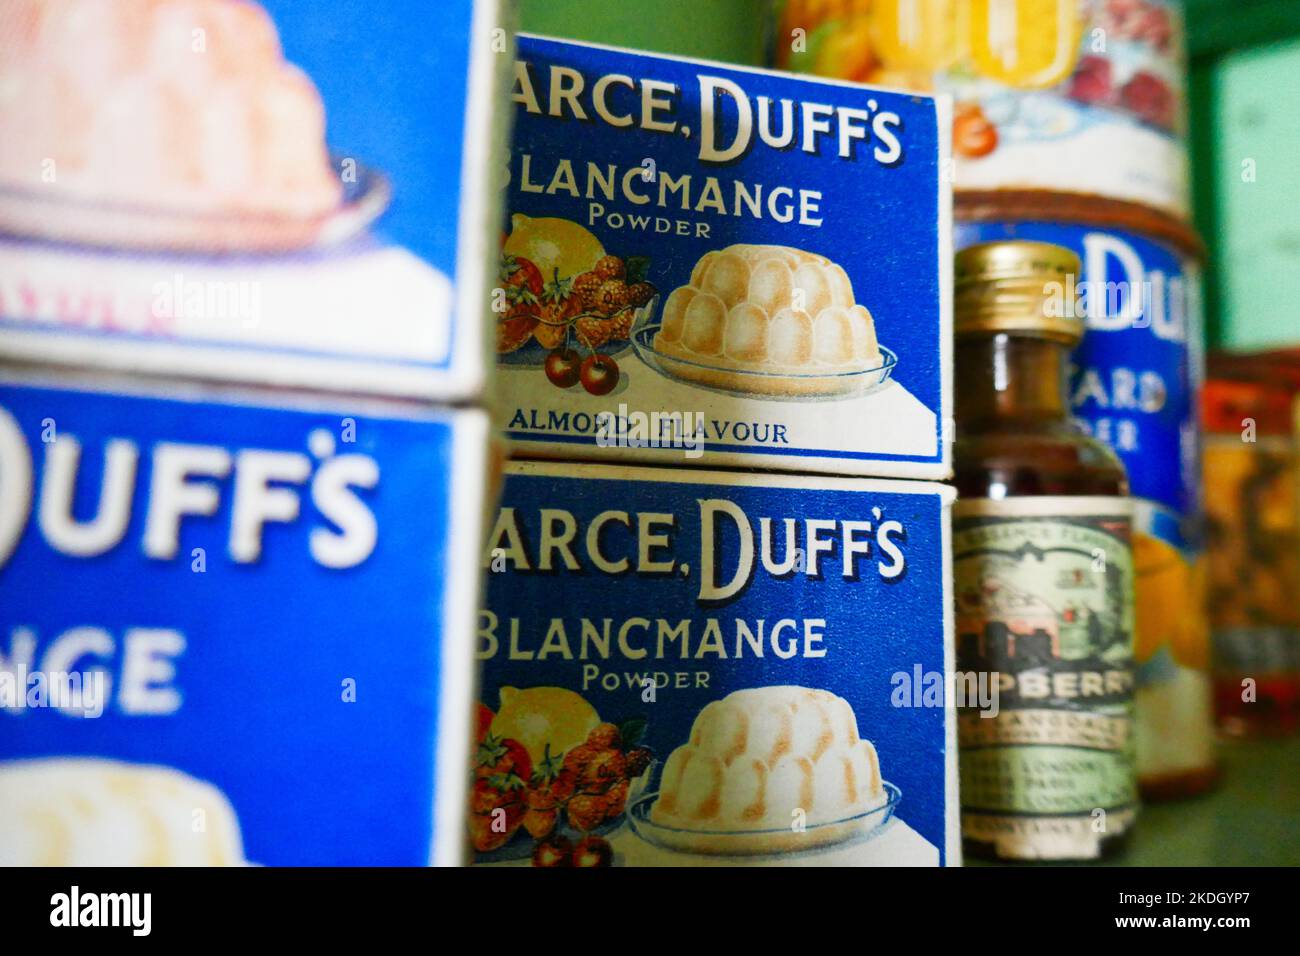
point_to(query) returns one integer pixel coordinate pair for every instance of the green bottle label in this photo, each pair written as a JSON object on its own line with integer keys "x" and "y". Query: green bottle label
{"x": 1044, "y": 592}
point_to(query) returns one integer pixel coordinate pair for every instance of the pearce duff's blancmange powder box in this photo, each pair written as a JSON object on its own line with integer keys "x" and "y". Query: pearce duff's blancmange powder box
{"x": 712, "y": 265}
{"x": 217, "y": 610}
{"x": 227, "y": 191}
{"x": 684, "y": 667}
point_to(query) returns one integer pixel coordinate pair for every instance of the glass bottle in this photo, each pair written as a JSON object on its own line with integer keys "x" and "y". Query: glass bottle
{"x": 1043, "y": 573}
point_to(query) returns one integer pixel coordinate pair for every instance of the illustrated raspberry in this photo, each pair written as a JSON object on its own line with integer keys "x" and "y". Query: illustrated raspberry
{"x": 610, "y": 267}
{"x": 639, "y": 293}
{"x": 586, "y": 811}
{"x": 612, "y": 296}
{"x": 604, "y": 735}
{"x": 586, "y": 286}
{"x": 594, "y": 331}
{"x": 620, "y": 326}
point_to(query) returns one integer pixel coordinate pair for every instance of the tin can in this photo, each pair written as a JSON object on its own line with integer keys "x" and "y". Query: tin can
{"x": 1252, "y": 477}
{"x": 1135, "y": 382}
{"x": 686, "y": 667}
{"x": 1074, "y": 96}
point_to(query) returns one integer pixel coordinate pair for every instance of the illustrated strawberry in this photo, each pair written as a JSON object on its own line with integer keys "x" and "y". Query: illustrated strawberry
{"x": 551, "y": 784}
{"x": 520, "y": 273}
{"x": 483, "y": 720}
{"x": 497, "y": 809}
{"x": 503, "y": 757}
{"x": 547, "y": 792}
{"x": 513, "y": 331}
{"x": 559, "y": 306}
{"x": 521, "y": 283}
{"x": 484, "y": 797}
{"x": 494, "y": 828}
{"x": 541, "y": 823}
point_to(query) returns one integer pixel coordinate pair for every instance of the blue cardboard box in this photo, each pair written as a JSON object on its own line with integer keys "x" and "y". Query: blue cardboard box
{"x": 713, "y": 265}
{"x": 271, "y": 192}
{"x": 234, "y": 627}
{"x": 686, "y": 667}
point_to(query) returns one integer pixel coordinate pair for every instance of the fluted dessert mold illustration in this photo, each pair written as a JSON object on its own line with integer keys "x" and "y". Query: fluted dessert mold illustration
{"x": 768, "y": 769}
{"x": 167, "y": 124}
{"x": 93, "y": 812}
{"x": 769, "y": 320}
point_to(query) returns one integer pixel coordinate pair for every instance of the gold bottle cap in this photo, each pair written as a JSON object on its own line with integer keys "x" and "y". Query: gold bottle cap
{"x": 1017, "y": 286}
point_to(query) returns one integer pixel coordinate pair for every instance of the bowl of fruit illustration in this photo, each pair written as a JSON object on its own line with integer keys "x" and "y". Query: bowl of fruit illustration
{"x": 565, "y": 305}
{"x": 551, "y": 779}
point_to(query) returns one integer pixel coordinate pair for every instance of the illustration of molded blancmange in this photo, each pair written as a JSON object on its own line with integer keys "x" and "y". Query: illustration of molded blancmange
{"x": 179, "y": 105}
{"x": 758, "y": 755}
{"x": 88, "y": 812}
{"x": 784, "y": 313}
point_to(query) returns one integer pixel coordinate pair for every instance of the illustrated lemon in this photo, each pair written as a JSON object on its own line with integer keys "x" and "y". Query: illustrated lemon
{"x": 537, "y": 716}
{"x": 551, "y": 243}
{"x": 1030, "y": 44}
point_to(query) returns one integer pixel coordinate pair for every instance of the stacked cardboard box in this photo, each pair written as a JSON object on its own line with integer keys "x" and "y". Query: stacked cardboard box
{"x": 712, "y": 635}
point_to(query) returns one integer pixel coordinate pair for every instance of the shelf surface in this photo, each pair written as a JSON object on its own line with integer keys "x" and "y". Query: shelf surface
{"x": 1251, "y": 818}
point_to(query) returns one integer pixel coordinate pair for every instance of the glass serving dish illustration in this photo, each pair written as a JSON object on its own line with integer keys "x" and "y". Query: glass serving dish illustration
{"x": 141, "y": 228}
{"x": 755, "y": 842}
{"x": 784, "y": 385}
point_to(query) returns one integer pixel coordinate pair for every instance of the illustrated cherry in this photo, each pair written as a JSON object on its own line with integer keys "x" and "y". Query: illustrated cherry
{"x": 592, "y": 851}
{"x": 557, "y": 851}
{"x": 599, "y": 374}
{"x": 563, "y": 367}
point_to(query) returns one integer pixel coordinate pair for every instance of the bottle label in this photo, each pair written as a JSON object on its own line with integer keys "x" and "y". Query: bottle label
{"x": 1134, "y": 384}
{"x": 1044, "y": 591}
